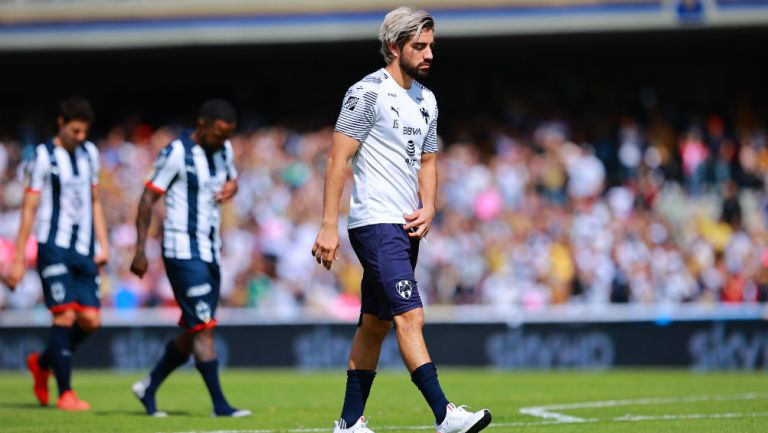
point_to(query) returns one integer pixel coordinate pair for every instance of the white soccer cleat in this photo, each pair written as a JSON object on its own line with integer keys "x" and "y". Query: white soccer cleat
{"x": 140, "y": 390}
{"x": 458, "y": 420}
{"x": 361, "y": 426}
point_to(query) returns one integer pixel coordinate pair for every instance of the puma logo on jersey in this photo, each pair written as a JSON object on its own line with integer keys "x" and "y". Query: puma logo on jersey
{"x": 425, "y": 114}
{"x": 395, "y": 110}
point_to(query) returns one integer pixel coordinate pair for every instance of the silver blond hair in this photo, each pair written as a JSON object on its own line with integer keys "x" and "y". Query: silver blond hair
{"x": 400, "y": 25}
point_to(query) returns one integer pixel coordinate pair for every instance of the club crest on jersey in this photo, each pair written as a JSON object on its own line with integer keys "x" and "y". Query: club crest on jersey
{"x": 404, "y": 288}
{"x": 351, "y": 102}
{"x": 425, "y": 115}
{"x": 203, "y": 311}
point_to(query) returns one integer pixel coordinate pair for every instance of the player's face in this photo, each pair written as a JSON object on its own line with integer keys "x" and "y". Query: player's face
{"x": 73, "y": 133}
{"x": 215, "y": 133}
{"x": 416, "y": 55}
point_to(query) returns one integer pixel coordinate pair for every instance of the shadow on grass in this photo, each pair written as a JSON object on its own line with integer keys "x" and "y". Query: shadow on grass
{"x": 139, "y": 413}
{"x": 19, "y": 405}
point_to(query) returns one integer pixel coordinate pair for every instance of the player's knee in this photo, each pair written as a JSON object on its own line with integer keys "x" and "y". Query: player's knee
{"x": 411, "y": 321}
{"x": 89, "y": 324}
{"x": 64, "y": 318}
{"x": 203, "y": 344}
{"x": 376, "y": 331}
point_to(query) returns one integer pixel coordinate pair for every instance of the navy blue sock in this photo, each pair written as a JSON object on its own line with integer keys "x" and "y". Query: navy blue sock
{"x": 172, "y": 359}
{"x": 60, "y": 356}
{"x": 358, "y": 388}
{"x": 425, "y": 378}
{"x": 44, "y": 361}
{"x": 210, "y": 372}
{"x": 77, "y": 336}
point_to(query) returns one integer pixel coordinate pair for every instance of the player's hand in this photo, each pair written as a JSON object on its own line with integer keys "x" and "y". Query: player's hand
{"x": 139, "y": 264}
{"x": 15, "y": 273}
{"x": 228, "y": 190}
{"x": 326, "y": 248}
{"x": 102, "y": 258}
{"x": 419, "y": 222}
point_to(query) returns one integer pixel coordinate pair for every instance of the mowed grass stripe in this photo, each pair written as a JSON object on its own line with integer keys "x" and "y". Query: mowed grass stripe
{"x": 291, "y": 400}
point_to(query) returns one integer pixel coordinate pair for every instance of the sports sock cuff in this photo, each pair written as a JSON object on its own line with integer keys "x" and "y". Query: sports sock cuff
{"x": 423, "y": 372}
{"x": 174, "y": 355}
{"x": 205, "y": 366}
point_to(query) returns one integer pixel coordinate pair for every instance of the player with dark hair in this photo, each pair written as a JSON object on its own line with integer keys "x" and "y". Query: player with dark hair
{"x": 195, "y": 173}
{"x": 388, "y": 128}
{"x": 62, "y": 203}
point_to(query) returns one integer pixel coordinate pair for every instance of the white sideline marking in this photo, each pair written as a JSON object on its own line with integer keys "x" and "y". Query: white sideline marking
{"x": 547, "y": 412}
{"x": 554, "y": 418}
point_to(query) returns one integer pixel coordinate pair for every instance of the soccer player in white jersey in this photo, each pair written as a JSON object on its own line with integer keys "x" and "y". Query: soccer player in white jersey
{"x": 62, "y": 203}
{"x": 195, "y": 173}
{"x": 388, "y": 128}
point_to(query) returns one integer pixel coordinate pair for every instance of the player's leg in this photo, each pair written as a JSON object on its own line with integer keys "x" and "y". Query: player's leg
{"x": 373, "y": 326}
{"x": 397, "y": 258}
{"x": 175, "y": 354}
{"x": 199, "y": 306}
{"x": 85, "y": 278}
{"x": 60, "y": 298}
{"x": 401, "y": 290}
{"x": 177, "y": 350}
{"x": 363, "y": 359}
{"x": 208, "y": 366}
{"x": 413, "y": 349}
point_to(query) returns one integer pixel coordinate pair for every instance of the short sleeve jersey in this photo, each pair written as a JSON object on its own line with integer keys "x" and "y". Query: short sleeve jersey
{"x": 190, "y": 177}
{"x": 394, "y": 127}
{"x": 64, "y": 181}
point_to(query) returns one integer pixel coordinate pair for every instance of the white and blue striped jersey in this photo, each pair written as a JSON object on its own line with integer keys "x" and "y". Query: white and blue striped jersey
{"x": 190, "y": 177}
{"x": 394, "y": 127}
{"x": 65, "y": 183}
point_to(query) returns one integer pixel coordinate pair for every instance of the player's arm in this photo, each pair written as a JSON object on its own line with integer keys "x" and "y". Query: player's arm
{"x": 229, "y": 189}
{"x": 99, "y": 222}
{"x": 327, "y": 244}
{"x": 149, "y": 197}
{"x": 169, "y": 162}
{"x": 100, "y": 228}
{"x": 421, "y": 219}
{"x": 29, "y": 207}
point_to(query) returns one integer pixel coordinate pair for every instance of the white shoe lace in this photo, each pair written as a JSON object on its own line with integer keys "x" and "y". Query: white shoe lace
{"x": 454, "y": 418}
{"x": 359, "y": 426}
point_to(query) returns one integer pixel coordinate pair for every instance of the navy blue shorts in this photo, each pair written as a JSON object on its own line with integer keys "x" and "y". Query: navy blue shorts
{"x": 70, "y": 279}
{"x": 388, "y": 257}
{"x": 195, "y": 286}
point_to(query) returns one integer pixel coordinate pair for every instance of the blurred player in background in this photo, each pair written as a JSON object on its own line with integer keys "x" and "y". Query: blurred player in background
{"x": 62, "y": 203}
{"x": 388, "y": 128}
{"x": 195, "y": 173}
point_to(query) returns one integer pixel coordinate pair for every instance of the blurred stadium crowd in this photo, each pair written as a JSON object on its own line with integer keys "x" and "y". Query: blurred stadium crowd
{"x": 656, "y": 215}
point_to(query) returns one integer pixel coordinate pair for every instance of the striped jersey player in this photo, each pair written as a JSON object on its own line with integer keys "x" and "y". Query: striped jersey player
{"x": 195, "y": 173}
{"x": 62, "y": 203}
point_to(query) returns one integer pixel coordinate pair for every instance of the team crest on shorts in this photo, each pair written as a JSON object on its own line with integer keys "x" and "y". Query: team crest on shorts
{"x": 404, "y": 288}
{"x": 203, "y": 311}
{"x": 58, "y": 292}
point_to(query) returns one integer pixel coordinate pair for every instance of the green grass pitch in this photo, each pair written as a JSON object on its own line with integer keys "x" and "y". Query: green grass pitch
{"x": 291, "y": 401}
